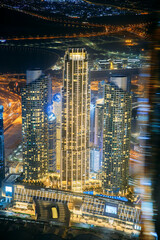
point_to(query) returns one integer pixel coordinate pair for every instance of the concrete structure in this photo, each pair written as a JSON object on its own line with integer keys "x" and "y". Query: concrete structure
{"x": 116, "y": 135}
{"x": 52, "y": 211}
{"x": 2, "y": 157}
{"x": 75, "y": 121}
{"x": 101, "y": 209}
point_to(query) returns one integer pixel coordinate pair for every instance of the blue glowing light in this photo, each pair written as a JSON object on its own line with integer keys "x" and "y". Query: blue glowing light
{"x": 51, "y": 117}
{"x": 49, "y": 109}
{"x": 88, "y": 192}
{"x": 146, "y": 100}
{"x": 92, "y": 107}
{"x": 8, "y": 189}
{"x": 114, "y": 197}
{"x": 106, "y": 196}
{"x": 57, "y": 97}
{"x": 2, "y": 40}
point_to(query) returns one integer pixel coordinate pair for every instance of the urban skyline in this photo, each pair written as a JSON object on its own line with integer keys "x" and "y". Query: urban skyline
{"x": 78, "y": 120}
{"x": 112, "y": 115}
{"x": 114, "y": 128}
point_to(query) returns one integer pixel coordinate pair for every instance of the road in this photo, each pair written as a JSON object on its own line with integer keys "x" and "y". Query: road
{"x": 13, "y": 136}
{"x": 12, "y": 107}
{"x": 128, "y": 7}
{"x": 12, "y": 118}
{"x": 138, "y": 29}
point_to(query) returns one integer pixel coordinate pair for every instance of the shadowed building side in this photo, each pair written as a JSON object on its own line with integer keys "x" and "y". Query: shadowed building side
{"x": 55, "y": 211}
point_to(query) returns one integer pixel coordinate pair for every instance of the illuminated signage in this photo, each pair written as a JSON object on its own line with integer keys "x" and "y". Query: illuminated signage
{"x": 57, "y": 97}
{"x": 8, "y": 189}
{"x": 77, "y": 56}
{"x": 111, "y": 209}
{"x": 51, "y": 117}
{"x": 54, "y": 212}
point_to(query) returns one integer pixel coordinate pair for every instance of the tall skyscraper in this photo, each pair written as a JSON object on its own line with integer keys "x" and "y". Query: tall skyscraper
{"x": 116, "y": 135}
{"x": 75, "y": 120}
{"x": 99, "y": 119}
{"x": 35, "y": 99}
{"x": 57, "y": 109}
{"x": 2, "y": 159}
{"x": 52, "y": 142}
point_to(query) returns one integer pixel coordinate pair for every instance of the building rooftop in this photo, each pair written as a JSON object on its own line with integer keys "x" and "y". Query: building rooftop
{"x": 11, "y": 178}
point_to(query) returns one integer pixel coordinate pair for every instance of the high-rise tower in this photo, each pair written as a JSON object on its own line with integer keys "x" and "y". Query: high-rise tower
{"x": 35, "y": 99}
{"x": 2, "y": 159}
{"x": 75, "y": 120}
{"x": 52, "y": 142}
{"x": 116, "y": 135}
{"x": 57, "y": 109}
{"x": 98, "y": 138}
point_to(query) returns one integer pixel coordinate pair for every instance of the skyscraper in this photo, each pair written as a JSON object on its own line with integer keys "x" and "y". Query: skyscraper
{"x": 35, "y": 98}
{"x": 52, "y": 142}
{"x": 101, "y": 86}
{"x": 92, "y": 122}
{"x": 75, "y": 120}
{"x": 2, "y": 159}
{"x": 116, "y": 135}
{"x": 98, "y": 138}
{"x": 57, "y": 109}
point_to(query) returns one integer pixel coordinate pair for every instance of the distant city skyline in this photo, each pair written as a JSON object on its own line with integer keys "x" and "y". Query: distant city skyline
{"x": 79, "y": 119}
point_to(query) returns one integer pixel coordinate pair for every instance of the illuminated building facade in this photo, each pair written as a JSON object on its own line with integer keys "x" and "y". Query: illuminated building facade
{"x": 75, "y": 121}
{"x": 101, "y": 86}
{"x": 92, "y": 122}
{"x": 99, "y": 208}
{"x": 57, "y": 110}
{"x": 52, "y": 142}
{"x": 99, "y": 115}
{"x": 116, "y": 135}
{"x": 35, "y": 125}
{"x": 94, "y": 159}
{"x": 2, "y": 159}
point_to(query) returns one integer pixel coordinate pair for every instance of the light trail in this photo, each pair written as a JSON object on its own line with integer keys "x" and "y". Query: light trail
{"x": 137, "y": 29}
{"x": 12, "y": 107}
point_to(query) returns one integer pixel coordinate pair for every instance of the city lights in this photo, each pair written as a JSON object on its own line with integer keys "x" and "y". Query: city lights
{"x": 79, "y": 120}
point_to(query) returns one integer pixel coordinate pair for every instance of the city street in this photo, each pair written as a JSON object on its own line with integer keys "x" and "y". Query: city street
{"x": 12, "y": 120}
{"x": 13, "y": 136}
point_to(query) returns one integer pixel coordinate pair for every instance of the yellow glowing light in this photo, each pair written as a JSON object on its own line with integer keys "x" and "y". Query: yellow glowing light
{"x": 128, "y": 41}
{"x": 111, "y": 66}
